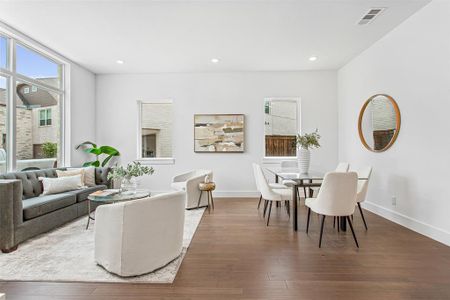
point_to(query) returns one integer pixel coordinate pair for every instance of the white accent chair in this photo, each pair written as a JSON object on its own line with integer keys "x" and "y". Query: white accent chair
{"x": 139, "y": 236}
{"x": 336, "y": 198}
{"x": 363, "y": 185}
{"x": 188, "y": 182}
{"x": 270, "y": 194}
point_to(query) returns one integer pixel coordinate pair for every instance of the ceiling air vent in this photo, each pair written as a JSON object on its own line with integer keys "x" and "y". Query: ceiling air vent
{"x": 371, "y": 15}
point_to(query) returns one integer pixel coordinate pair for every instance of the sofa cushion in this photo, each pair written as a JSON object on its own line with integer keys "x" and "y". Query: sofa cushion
{"x": 30, "y": 182}
{"x": 82, "y": 194}
{"x": 179, "y": 186}
{"x": 38, "y": 206}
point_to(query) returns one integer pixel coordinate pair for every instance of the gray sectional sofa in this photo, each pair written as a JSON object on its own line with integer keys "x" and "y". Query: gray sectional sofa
{"x": 25, "y": 213}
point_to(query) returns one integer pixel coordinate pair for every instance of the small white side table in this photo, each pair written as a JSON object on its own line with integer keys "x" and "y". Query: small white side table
{"x": 2, "y": 297}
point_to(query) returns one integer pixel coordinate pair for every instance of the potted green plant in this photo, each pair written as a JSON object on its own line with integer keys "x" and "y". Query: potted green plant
{"x": 304, "y": 143}
{"x": 105, "y": 152}
{"x": 128, "y": 175}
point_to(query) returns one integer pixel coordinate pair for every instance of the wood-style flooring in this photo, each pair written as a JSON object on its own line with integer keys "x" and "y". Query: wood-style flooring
{"x": 235, "y": 256}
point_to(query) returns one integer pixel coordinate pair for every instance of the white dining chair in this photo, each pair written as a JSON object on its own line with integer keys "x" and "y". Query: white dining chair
{"x": 272, "y": 185}
{"x": 363, "y": 185}
{"x": 341, "y": 167}
{"x": 270, "y": 194}
{"x": 286, "y": 164}
{"x": 336, "y": 198}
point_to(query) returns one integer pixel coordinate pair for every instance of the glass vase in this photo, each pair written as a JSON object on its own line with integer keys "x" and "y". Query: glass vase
{"x": 128, "y": 186}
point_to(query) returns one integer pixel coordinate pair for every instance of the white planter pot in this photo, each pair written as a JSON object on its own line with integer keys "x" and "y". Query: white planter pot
{"x": 304, "y": 158}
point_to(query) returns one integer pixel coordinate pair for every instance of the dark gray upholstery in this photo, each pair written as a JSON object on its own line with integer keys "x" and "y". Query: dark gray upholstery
{"x": 82, "y": 194}
{"x": 24, "y": 213}
{"x": 38, "y": 206}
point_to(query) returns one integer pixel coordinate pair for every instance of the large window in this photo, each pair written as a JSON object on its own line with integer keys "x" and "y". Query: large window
{"x": 31, "y": 112}
{"x": 155, "y": 130}
{"x": 3, "y": 55}
{"x": 281, "y": 125}
{"x": 3, "y": 123}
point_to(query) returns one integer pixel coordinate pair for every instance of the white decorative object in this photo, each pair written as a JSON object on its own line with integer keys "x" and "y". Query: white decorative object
{"x": 188, "y": 182}
{"x": 304, "y": 158}
{"x": 61, "y": 184}
{"x": 137, "y": 237}
{"x": 207, "y": 179}
{"x": 2, "y": 297}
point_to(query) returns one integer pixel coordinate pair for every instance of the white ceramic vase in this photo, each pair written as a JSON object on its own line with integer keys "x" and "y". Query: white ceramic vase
{"x": 304, "y": 158}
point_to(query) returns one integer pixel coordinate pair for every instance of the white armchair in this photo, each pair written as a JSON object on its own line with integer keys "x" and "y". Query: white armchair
{"x": 137, "y": 237}
{"x": 188, "y": 182}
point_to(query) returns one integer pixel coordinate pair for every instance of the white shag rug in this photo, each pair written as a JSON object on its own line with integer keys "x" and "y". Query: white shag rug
{"x": 67, "y": 254}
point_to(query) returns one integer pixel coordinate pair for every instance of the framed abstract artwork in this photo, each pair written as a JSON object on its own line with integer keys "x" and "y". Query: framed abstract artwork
{"x": 219, "y": 133}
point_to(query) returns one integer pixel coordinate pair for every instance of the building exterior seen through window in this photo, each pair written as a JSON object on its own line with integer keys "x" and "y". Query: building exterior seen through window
{"x": 156, "y": 130}
{"x": 280, "y": 127}
{"x": 37, "y": 96}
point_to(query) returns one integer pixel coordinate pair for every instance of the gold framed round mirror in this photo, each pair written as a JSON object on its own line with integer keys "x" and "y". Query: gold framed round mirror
{"x": 379, "y": 123}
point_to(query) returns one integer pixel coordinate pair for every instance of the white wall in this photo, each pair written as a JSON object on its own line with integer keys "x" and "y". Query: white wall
{"x": 82, "y": 111}
{"x": 411, "y": 64}
{"x": 215, "y": 93}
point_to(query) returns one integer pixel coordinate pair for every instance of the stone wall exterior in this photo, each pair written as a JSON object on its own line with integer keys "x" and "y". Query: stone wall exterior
{"x": 156, "y": 119}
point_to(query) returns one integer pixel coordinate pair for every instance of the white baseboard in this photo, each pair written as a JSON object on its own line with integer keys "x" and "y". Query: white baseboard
{"x": 224, "y": 194}
{"x": 428, "y": 230}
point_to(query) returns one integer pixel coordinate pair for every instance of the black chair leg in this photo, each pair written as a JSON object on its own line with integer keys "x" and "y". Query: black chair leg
{"x": 268, "y": 216}
{"x": 353, "y": 232}
{"x": 307, "y": 222}
{"x": 334, "y": 222}
{"x": 338, "y": 220}
{"x": 259, "y": 203}
{"x": 265, "y": 207}
{"x": 362, "y": 215}
{"x": 321, "y": 231}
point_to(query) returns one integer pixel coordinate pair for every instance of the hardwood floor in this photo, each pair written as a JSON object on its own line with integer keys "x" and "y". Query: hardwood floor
{"x": 235, "y": 256}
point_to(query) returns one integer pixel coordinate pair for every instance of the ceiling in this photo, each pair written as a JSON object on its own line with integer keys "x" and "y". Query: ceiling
{"x": 183, "y": 36}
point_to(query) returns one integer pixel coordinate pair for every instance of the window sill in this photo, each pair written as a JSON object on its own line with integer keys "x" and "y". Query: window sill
{"x": 157, "y": 161}
{"x": 277, "y": 160}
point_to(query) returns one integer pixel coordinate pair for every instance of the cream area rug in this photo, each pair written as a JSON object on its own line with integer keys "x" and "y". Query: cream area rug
{"x": 67, "y": 254}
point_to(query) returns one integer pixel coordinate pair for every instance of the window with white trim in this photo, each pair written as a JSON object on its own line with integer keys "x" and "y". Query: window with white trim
{"x": 155, "y": 130}
{"x": 281, "y": 125}
{"x": 45, "y": 117}
{"x": 31, "y": 101}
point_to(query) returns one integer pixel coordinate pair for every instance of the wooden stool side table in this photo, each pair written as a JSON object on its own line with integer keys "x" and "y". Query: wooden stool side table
{"x": 207, "y": 187}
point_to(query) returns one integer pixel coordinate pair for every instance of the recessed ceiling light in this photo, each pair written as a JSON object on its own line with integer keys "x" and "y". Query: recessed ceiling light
{"x": 214, "y": 60}
{"x": 313, "y": 58}
{"x": 120, "y": 62}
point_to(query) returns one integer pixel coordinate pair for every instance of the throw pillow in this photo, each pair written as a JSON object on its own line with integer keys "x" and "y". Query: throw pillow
{"x": 89, "y": 175}
{"x": 71, "y": 172}
{"x": 61, "y": 184}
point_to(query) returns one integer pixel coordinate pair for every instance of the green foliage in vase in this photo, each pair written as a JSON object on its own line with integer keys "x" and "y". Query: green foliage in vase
{"x": 107, "y": 152}
{"x": 308, "y": 140}
{"x": 134, "y": 169}
{"x": 49, "y": 149}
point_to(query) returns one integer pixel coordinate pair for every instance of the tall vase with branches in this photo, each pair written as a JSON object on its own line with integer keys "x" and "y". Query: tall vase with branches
{"x": 304, "y": 143}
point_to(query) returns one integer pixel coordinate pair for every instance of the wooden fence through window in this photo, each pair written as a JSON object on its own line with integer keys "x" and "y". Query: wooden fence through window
{"x": 280, "y": 145}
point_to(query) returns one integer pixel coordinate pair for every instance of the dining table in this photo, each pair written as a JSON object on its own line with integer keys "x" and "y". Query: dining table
{"x": 297, "y": 179}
